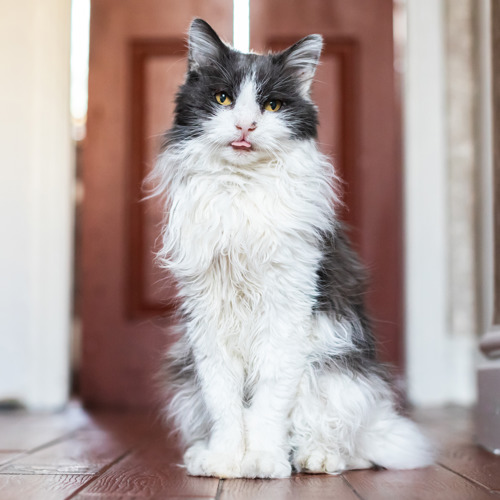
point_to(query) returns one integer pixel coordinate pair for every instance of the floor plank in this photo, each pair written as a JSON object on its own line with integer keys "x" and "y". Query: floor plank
{"x": 302, "y": 486}
{"x": 473, "y": 462}
{"x": 102, "y": 439}
{"x": 86, "y": 451}
{"x": 52, "y": 487}
{"x": 452, "y": 429}
{"x": 431, "y": 483}
{"x": 76, "y": 454}
{"x": 21, "y": 431}
{"x": 150, "y": 472}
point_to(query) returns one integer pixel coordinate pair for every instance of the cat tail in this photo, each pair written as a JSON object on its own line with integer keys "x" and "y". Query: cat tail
{"x": 395, "y": 442}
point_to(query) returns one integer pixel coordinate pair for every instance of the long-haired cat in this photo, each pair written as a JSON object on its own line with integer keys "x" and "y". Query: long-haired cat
{"x": 275, "y": 364}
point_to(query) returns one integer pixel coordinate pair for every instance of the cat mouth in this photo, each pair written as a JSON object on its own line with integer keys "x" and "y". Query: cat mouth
{"x": 241, "y": 145}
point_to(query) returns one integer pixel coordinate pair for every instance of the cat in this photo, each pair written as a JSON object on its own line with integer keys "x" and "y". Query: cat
{"x": 274, "y": 364}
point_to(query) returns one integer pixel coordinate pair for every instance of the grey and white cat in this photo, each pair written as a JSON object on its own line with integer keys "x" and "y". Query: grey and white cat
{"x": 274, "y": 365}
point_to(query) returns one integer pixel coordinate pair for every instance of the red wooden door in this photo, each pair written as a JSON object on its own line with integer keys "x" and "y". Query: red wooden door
{"x": 355, "y": 93}
{"x": 137, "y": 60}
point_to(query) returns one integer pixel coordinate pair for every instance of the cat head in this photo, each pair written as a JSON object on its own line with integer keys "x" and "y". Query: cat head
{"x": 244, "y": 107}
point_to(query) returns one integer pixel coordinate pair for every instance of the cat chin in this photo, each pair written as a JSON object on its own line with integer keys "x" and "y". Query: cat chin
{"x": 242, "y": 157}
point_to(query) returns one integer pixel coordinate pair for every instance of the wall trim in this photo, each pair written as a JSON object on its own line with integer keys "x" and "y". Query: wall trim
{"x": 440, "y": 364}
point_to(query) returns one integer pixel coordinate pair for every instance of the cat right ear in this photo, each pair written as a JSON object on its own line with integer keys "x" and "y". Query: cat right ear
{"x": 204, "y": 45}
{"x": 303, "y": 58}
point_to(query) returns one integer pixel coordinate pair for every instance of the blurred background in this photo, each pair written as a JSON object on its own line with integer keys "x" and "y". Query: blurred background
{"x": 86, "y": 90}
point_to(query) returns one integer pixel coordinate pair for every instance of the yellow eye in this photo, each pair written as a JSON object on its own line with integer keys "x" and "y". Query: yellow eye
{"x": 273, "y": 105}
{"x": 223, "y": 98}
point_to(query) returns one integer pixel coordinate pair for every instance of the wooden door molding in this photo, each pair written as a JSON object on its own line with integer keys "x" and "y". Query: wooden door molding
{"x": 138, "y": 304}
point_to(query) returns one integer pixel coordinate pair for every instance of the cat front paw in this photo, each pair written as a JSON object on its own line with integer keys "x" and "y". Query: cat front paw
{"x": 329, "y": 462}
{"x": 265, "y": 464}
{"x": 319, "y": 462}
{"x": 202, "y": 461}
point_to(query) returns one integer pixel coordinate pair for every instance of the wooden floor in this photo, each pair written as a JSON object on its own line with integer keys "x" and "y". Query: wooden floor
{"x": 75, "y": 454}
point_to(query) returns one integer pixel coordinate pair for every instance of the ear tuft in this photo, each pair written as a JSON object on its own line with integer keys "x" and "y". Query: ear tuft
{"x": 204, "y": 44}
{"x": 303, "y": 58}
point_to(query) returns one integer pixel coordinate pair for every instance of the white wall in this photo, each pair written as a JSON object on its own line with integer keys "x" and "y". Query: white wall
{"x": 36, "y": 210}
{"x": 440, "y": 360}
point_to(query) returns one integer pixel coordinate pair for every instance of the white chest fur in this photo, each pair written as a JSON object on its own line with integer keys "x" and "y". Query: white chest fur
{"x": 242, "y": 241}
{"x": 231, "y": 216}
{"x": 260, "y": 211}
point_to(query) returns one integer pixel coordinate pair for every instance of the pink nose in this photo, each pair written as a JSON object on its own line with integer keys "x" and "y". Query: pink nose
{"x": 247, "y": 128}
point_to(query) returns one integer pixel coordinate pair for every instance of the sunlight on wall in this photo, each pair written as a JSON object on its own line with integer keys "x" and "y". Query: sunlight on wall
{"x": 80, "y": 19}
{"x": 241, "y": 25}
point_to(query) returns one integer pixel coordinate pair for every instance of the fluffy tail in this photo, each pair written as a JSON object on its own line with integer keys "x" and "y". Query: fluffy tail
{"x": 394, "y": 442}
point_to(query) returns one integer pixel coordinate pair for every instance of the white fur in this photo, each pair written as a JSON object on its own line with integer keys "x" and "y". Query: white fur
{"x": 358, "y": 425}
{"x": 242, "y": 238}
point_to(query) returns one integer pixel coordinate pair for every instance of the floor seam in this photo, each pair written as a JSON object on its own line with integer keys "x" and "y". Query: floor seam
{"x": 351, "y": 487}
{"x": 469, "y": 479}
{"x": 219, "y": 489}
{"x": 99, "y": 473}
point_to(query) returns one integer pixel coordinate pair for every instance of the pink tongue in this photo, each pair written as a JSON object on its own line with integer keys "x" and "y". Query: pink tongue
{"x": 241, "y": 144}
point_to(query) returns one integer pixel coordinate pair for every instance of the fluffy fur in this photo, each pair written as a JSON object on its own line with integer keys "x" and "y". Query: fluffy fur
{"x": 274, "y": 364}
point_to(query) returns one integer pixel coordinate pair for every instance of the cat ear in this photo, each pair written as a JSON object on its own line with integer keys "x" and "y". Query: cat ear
{"x": 303, "y": 58}
{"x": 204, "y": 45}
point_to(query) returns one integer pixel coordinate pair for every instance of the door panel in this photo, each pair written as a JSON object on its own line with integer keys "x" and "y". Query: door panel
{"x": 158, "y": 68}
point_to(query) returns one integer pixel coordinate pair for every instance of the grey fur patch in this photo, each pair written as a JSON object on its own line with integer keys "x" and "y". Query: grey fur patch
{"x": 185, "y": 405}
{"x": 341, "y": 285}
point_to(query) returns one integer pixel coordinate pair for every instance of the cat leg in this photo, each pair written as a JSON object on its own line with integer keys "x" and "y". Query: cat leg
{"x": 220, "y": 378}
{"x": 266, "y": 420}
{"x": 315, "y": 433}
{"x": 185, "y": 412}
{"x": 274, "y": 385}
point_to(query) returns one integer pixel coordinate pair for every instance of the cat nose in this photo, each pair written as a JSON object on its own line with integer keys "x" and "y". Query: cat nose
{"x": 247, "y": 128}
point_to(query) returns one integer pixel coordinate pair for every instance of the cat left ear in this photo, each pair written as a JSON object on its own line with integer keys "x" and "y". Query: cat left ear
{"x": 303, "y": 57}
{"x": 204, "y": 45}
